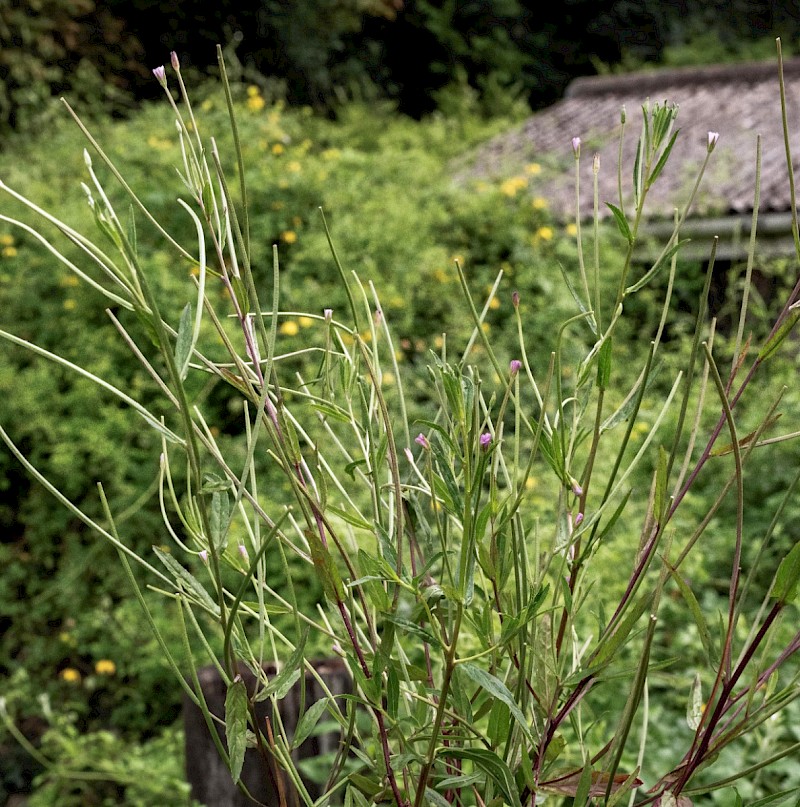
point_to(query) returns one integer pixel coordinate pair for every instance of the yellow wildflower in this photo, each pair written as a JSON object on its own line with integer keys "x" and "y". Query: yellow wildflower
{"x": 105, "y": 667}
{"x": 494, "y": 304}
{"x": 539, "y": 203}
{"x": 253, "y": 91}
{"x": 70, "y": 675}
{"x": 571, "y": 228}
{"x": 289, "y": 236}
{"x": 438, "y": 341}
{"x": 255, "y": 103}
{"x": 388, "y": 379}
{"x": 544, "y": 234}
{"x": 533, "y": 169}
{"x": 283, "y": 183}
{"x": 294, "y": 166}
{"x": 9, "y": 252}
{"x": 277, "y": 205}
{"x": 297, "y": 221}
{"x": 6, "y": 240}
{"x": 289, "y": 328}
{"x": 207, "y": 105}
{"x": 305, "y": 322}
{"x": 277, "y": 149}
{"x": 512, "y": 186}
{"x": 69, "y": 304}
{"x": 69, "y": 280}
{"x": 331, "y": 154}
{"x": 485, "y": 327}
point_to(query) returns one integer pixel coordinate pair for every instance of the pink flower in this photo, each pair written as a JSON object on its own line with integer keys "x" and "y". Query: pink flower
{"x": 161, "y": 76}
{"x": 485, "y": 440}
{"x": 578, "y": 519}
{"x": 204, "y": 555}
{"x": 576, "y": 146}
{"x": 243, "y": 553}
{"x": 422, "y": 440}
{"x": 173, "y": 57}
{"x": 712, "y": 140}
{"x": 328, "y": 314}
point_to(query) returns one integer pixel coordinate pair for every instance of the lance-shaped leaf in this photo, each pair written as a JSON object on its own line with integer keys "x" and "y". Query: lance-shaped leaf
{"x": 493, "y": 766}
{"x": 498, "y": 690}
{"x": 788, "y": 577}
{"x": 568, "y": 784}
{"x": 236, "y": 725}
{"x": 326, "y": 567}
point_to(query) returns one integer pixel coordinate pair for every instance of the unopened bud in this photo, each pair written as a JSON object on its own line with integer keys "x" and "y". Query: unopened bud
{"x": 422, "y": 440}
{"x": 712, "y": 140}
{"x": 204, "y": 555}
{"x": 485, "y": 441}
{"x": 596, "y": 163}
{"x": 243, "y": 553}
{"x": 161, "y": 75}
{"x": 328, "y": 313}
{"x": 176, "y": 65}
{"x": 576, "y": 146}
{"x": 578, "y": 519}
{"x": 514, "y": 367}
{"x": 515, "y": 299}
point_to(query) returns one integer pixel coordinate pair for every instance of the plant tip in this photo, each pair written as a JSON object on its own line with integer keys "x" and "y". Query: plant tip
{"x": 176, "y": 64}
{"x": 485, "y": 440}
{"x": 576, "y": 146}
{"x": 161, "y": 75}
{"x": 515, "y": 299}
{"x": 712, "y": 140}
{"x": 514, "y": 367}
{"x": 422, "y": 440}
{"x": 204, "y": 555}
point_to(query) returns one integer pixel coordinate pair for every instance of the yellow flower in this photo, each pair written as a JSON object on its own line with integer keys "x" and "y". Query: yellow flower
{"x": 277, "y": 149}
{"x": 6, "y": 240}
{"x": 70, "y": 675}
{"x": 207, "y": 105}
{"x": 255, "y": 103}
{"x": 289, "y": 328}
{"x": 571, "y": 228}
{"x": 305, "y": 322}
{"x": 438, "y": 341}
{"x": 69, "y": 304}
{"x": 388, "y": 379}
{"x": 160, "y": 143}
{"x": 277, "y": 205}
{"x": 538, "y": 203}
{"x": 494, "y": 304}
{"x": 297, "y": 221}
{"x": 289, "y": 236}
{"x": 294, "y": 166}
{"x": 485, "y": 327}
{"x": 533, "y": 169}
{"x": 253, "y": 91}
{"x": 544, "y": 234}
{"x": 512, "y": 186}
{"x": 70, "y": 281}
{"x": 331, "y": 154}
{"x": 9, "y": 252}
{"x": 105, "y": 667}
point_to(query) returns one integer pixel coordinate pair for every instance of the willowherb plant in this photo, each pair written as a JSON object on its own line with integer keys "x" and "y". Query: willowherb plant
{"x": 485, "y": 670}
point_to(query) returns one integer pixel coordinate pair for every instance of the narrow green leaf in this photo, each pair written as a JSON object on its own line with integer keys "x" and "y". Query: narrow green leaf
{"x": 236, "y": 725}
{"x": 308, "y": 721}
{"x": 607, "y": 650}
{"x": 660, "y": 497}
{"x": 662, "y": 160}
{"x": 325, "y": 566}
{"x": 392, "y": 692}
{"x": 604, "y": 364}
{"x": 497, "y": 689}
{"x": 290, "y": 672}
{"x": 622, "y": 222}
{"x": 191, "y": 583}
{"x": 694, "y": 708}
{"x": 774, "y": 342}
{"x": 492, "y": 765}
{"x": 788, "y": 577}
{"x": 183, "y": 344}
{"x": 697, "y": 614}
{"x": 659, "y": 265}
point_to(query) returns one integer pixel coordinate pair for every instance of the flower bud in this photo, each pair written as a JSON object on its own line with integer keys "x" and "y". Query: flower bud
{"x": 422, "y": 440}
{"x": 712, "y": 140}
{"x": 243, "y": 553}
{"x": 485, "y": 441}
{"x": 578, "y": 519}
{"x": 204, "y": 555}
{"x": 173, "y": 57}
{"x": 328, "y": 313}
{"x": 515, "y": 299}
{"x": 514, "y": 367}
{"x": 576, "y": 146}
{"x": 161, "y": 75}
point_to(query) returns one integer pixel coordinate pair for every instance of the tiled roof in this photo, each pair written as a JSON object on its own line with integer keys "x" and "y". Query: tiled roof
{"x": 738, "y": 101}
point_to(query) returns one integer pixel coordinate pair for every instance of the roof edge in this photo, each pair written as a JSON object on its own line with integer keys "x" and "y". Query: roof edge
{"x": 655, "y": 80}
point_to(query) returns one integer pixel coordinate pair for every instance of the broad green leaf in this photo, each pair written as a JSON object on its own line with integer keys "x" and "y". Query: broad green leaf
{"x": 236, "y": 725}
{"x": 788, "y": 577}
{"x": 622, "y": 222}
{"x": 492, "y": 765}
{"x": 308, "y": 721}
{"x": 183, "y": 344}
{"x": 325, "y": 566}
{"x": 219, "y": 519}
{"x": 497, "y": 689}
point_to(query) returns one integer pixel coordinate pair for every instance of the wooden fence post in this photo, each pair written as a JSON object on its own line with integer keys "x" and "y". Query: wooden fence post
{"x": 210, "y": 781}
